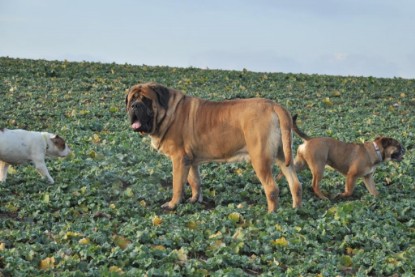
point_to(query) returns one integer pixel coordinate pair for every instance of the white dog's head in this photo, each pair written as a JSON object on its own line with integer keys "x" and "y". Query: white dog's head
{"x": 56, "y": 146}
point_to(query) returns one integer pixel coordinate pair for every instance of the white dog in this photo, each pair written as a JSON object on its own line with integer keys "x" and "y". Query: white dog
{"x": 21, "y": 146}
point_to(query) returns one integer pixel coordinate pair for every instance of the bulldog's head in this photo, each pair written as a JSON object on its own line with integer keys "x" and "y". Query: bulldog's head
{"x": 146, "y": 104}
{"x": 392, "y": 149}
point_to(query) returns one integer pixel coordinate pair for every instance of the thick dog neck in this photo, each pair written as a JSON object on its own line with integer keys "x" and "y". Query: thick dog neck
{"x": 378, "y": 153}
{"x": 46, "y": 138}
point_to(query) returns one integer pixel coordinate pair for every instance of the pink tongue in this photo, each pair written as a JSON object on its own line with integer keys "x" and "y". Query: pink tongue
{"x": 136, "y": 125}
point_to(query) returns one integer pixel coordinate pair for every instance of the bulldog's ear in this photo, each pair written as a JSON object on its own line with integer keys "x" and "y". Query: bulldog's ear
{"x": 163, "y": 95}
{"x": 386, "y": 142}
{"x": 126, "y": 101}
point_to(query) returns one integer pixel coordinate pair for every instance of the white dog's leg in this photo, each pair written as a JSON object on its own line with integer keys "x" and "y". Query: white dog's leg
{"x": 43, "y": 170}
{"x": 3, "y": 171}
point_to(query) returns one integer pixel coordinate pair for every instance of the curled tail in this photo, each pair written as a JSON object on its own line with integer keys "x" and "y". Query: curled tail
{"x": 300, "y": 133}
{"x": 285, "y": 125}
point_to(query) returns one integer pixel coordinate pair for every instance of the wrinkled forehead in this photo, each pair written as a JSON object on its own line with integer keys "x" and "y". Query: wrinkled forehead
{"x": 138, "y": 91}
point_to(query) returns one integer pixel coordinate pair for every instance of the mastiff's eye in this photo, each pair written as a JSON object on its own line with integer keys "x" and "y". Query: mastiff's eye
{"x": 146, "y": 101}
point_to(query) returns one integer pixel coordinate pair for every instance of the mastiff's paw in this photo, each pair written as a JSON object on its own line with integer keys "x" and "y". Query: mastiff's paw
{"x": 168, "y": 206}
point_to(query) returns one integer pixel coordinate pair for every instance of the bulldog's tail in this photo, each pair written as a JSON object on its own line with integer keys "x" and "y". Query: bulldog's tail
{"x": 300, "y": 133}
{"x": 286, "y": 126}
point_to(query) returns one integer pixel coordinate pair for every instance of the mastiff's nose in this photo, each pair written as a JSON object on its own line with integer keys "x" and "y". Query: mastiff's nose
{"x": 135, "y": 105}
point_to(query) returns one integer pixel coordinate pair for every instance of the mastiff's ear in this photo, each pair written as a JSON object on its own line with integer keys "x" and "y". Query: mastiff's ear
{"x": 163, "y": 95}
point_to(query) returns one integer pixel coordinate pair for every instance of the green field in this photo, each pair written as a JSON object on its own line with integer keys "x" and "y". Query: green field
{"x": 103, "y": 217}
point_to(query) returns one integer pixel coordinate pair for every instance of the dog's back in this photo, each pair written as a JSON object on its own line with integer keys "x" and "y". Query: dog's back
{"x": 15, "y": 145}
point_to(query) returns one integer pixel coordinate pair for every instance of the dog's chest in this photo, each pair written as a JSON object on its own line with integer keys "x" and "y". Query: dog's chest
{"x": 369, "y": 170}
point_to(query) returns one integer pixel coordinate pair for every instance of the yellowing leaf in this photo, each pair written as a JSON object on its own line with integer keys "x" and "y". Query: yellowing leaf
{"x": 235, "y": 217}
{"x": 113, "y": 109}
{"x": 388, "y": 180}
{"x": 2, "y": 246}
{"x": 336, "y": 93}
{"x": 11, "y": 207}
{"x": 116, "y": 269}
{"x": 191, "y": 225}
{"x": 157, "y": 221}
{"x": 96, "y": 139}
{"x": 129, "y": 192}
{"x": 71, "y": 155}
{"x": 280, "y": 242}
{"x": 327, "y": 101}
{"x": 47, "y": 263}
{"x": 297, "y": 228}
{"x": 181, "y": 255}
{"x": 239, "y": 235}
{"x": 83, "y": 112}
{"x": 216, "y": 245}
{"x": 84, "y": 241}
{"x": 278, "y": 227}
{"x": 239, "y": 172}
{"x": 159, "y": 247}
{"x": 218, "y": 234}
{"x": 46, "y": 198}
{"x": 70, "y": 234}
{"x": 121, "y": 241}
{"x": 346, "y": 261}
{"x": 83, "y": 189}
{"x": 92, "y": 154}
{"x": 11, "y": 170}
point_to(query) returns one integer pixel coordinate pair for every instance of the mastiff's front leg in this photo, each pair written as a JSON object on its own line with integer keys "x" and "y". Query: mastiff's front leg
{"x": 181, "y": 166}
{"x": 195, "y": 183}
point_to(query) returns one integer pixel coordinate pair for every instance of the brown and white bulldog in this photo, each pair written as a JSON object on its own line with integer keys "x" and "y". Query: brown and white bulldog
{"x": 351, "y": 159}
{"x": 21, "y": 146}
{"x": 191, "y": 131}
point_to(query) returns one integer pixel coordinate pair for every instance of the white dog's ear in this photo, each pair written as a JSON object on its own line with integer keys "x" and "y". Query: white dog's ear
{"x": 59, "y": 142}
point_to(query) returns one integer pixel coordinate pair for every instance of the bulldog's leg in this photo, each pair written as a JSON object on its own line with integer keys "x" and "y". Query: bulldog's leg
{"x": 3, "y": 171}
{"x": 299, "y": 162}
{"x": 195, "y": 183}
{"x": 370, "y": 184}
{"x": 293, "y": 182}
{"x": 350, "y": 183}
{"x": 317, "y": 170}
{"x": 299, "y": 165}
{"x": 43, "y": 170}
{"x": 181, "y": 166}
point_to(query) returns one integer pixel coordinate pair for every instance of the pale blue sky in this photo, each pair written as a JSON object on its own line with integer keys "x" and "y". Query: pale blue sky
{"x": 334, "y": 37}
